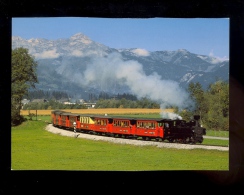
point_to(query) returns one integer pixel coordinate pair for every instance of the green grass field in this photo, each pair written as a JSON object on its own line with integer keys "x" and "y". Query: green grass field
{"x": 34, "y": 148}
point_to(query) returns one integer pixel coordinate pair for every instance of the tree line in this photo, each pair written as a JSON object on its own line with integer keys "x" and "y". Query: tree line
{"x": 212, "y": 105}
{"x": 41, "y": 94}
{"x": 58, "y": 95}
{"x": 52, "y": 104}
{"x": 126, "y": 103}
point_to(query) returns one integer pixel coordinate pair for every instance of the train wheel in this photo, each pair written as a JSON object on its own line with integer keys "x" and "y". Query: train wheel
{"x": 147, "y": 138}
{"x": 187, "y": 140}
{"x": 171, "y": 140}
{"x": 200, "y": 140}
{"x": 193, "y": 142}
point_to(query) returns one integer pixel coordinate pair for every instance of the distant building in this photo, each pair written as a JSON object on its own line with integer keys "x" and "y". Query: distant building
{"x": 24, "y": 101}
{"x": 90, "y": 105}
{"x": 68, "y": 103}
{"x": 39, "y": 100}
{"x": 82, "y": 101}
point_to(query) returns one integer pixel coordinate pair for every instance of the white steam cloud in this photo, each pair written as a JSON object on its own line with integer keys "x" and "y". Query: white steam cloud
{"x": 105, "y": 71}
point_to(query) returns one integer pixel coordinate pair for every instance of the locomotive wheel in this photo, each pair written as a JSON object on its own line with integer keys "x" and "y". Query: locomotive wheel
{"x": 184, "y": 141}
{"x": 171, "y": 140}
{"x": 200, "y": 141}
{"x": 193, "y": 142}
{"x": 187, "y": 140}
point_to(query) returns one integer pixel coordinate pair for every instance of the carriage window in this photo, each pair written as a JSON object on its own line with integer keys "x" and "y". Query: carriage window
{"x": 126, "y": 124}
{"x": 139, "y": 124}
{"x": 145, "y": 125}
{"x": 166, "y": 125}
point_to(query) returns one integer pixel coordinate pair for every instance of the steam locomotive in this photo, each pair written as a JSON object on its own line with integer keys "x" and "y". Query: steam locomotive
{"x": 158, "y": 129}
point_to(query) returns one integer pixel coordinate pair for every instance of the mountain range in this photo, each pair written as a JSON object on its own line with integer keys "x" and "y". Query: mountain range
{"x": 80, "y": 66}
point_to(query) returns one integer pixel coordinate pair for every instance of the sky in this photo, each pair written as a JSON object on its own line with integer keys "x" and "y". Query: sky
{"x": 205, "y": 36}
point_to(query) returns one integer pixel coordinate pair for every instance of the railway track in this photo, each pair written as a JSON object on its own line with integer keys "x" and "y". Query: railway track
{"x": 63, "y": 132}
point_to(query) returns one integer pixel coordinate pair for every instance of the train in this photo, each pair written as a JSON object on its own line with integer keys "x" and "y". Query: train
{"x": 157, "y": 129}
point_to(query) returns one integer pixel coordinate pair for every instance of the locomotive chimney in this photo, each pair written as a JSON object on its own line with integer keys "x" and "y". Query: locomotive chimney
{"x": 196, "y": 118}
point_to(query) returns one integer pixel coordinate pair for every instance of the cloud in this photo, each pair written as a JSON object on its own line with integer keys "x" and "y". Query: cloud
{"x": 47, "y": 54}
{"x": 217, "y": 59}
{"x": 141, "y": 52}
{"x": 211, "y": 54}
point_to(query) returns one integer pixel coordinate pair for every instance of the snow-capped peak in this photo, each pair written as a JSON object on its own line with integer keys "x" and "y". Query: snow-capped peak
{"x": 80, "y": 37}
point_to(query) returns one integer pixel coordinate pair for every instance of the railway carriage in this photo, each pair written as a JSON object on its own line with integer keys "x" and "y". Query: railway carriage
{"x": 103, "y": 125}
{"x": 150, "y": 129}
{"x": 124, "y": 127}
{"x": 65, "y": 120}
{"x": 56, "y": 117}
{"x": 73, "y": 118}
{"x": 87, "y": 123}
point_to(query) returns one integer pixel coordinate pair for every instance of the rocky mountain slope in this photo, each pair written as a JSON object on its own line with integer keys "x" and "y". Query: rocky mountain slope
{"x": 79, "y": 65}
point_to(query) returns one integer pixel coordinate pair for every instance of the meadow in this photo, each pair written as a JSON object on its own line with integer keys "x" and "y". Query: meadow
{"x": 34, "y": 148}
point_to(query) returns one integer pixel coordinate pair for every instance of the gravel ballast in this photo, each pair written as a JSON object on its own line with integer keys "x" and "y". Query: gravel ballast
{"x": 63, "y": 132}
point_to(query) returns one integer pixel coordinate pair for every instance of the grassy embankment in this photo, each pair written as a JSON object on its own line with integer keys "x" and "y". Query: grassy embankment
{"x": 33, "y": 148}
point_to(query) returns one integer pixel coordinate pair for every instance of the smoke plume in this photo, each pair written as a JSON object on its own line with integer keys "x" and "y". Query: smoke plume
{"x": 105, "y": 71}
